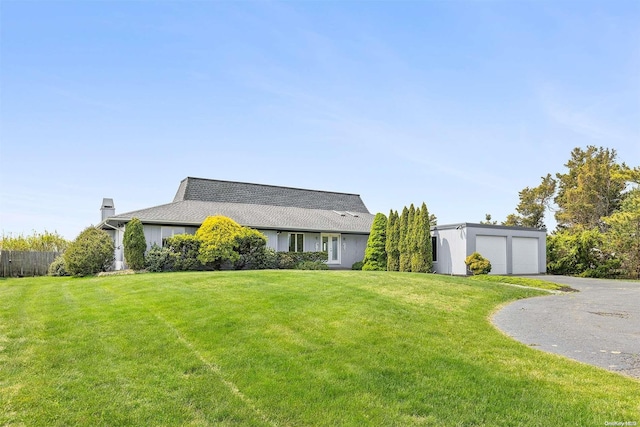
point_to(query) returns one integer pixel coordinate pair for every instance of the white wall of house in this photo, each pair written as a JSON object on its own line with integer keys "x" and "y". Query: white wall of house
{"x": 451, "y": 250}
{"x": 353, "y": 246}
{"x": 154, "y": 234}
{"x": 511, "y": 250}
{"x": 272, "y": 238}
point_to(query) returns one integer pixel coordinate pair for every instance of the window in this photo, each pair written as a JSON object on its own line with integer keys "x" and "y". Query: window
{"x": 434, "y": 249}
{"x": 170, "y": 232}
{"x": 296, "y": 242}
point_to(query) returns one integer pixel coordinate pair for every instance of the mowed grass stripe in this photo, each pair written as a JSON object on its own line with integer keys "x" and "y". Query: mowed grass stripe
{"x": 215, "y": 369}
{"x": 83, "y": 356}
{"x": 306, "y": 348}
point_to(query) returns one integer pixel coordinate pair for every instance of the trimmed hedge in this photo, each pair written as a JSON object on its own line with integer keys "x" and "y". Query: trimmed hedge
{"x": 290, "y": 260}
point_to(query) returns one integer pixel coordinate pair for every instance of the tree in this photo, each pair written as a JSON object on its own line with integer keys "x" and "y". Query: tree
{"x": 407, "y": 244}
{"x": 591, "y": 189}
{"x": 38, "y": 242}
{"x": 90, "y": 253}
{"x": 533, "y": 204}
{"x": 580, "y": 252}
{"x": 487, "y": 220}
{"x": 135, "y": 244}
{"x": 623, "y": 236}
{"x": 421, "y": 260}
{"x": 375, "y": 254}
{"x": 391, "y": 246}
{"x": 217, "y": 236}
{"x": 433, "y": 220}
{"x": 402, "y": 241}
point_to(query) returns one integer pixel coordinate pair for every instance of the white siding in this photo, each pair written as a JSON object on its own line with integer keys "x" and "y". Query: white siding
{"x": 272, "y": 238}
{"x": 353, "y": 246}
{"x": 525, "y": 255}
{"x": 451, "y": 251}
{"x": 494, "y": 248}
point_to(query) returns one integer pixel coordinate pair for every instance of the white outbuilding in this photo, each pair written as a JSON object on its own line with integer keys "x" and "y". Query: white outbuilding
{"x": 511, "y": 250}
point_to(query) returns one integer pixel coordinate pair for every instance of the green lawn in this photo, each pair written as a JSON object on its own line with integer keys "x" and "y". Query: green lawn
{"x": 523, "y": 281}
{"x": 289, "y": 348}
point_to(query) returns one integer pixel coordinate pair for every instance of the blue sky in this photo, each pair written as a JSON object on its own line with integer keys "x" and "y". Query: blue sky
{"x": 460, "y": 104}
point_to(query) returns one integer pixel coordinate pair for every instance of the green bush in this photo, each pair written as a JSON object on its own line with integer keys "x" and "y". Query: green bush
{"x": 90, "y": 253}
{"x": 312, "y": 265}
{"x": 290, "y": 260}
{"x": 478, "y": 264}
{"x": 375, "y": 255}
{"x": 250, "y": 245}
{"x": 58, "y": 268}
{"x": 184, "y": 250}
{"x": 357, "y": 265}
{"x": 217, "y": 236}
{"x": 267, "y": 259}
{"x": 134, "y": 244}
{"x": 159, "y": 259}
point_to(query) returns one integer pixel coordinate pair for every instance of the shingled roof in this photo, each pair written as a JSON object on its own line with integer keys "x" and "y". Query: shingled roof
{"x": 193, "y": 212}
{"x": 259, "y": 206}
{"x": 210, "y": 190}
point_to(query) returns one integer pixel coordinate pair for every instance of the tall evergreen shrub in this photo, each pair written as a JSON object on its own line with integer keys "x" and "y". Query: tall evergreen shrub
{"x": 135, "y": 244}
{"x": 416, "y": 238}
{"x": 375, "y": 255}
{"x": 409, "y": 244}
{"x": 391, "y": 246}
{"x": 402, "y": 241}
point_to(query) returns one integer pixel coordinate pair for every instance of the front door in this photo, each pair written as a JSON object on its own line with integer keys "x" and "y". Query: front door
{"x": 331, "y": 245}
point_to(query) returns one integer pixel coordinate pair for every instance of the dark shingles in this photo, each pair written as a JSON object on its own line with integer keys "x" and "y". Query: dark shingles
{"x": 191, "y": 212}
{"x": 208, "y": 190}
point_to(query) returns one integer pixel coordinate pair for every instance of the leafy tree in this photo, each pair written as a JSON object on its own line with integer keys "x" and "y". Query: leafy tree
{"x": 487, "y": 220}
{"x": 134, "y": 244}
{"x": 623, "y": 236}
{"x": 591, "y": 189}
{"x": 90, "y": 253}
{"x": 478, "y": 264}
{"x": 404, "y": 260}
{"x": 433, "y": 220}
{"x": 375, "y": 254}
{"x": 37, "y": 242}
{"x": 393, "y": 237}
{"x": 533, "y": 204}
{"x": 580, "y": 252}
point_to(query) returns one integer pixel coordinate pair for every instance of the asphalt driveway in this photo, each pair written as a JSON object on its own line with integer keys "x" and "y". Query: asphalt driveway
{"x": 599, "y": 325}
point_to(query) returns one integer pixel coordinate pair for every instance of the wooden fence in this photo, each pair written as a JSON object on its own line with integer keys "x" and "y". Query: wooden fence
{"x": 22, "y": 263}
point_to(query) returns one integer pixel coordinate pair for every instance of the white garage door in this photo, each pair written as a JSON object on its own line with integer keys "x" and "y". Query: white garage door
{"x": 493, "y": 248}
{"x": 524, "y": 255}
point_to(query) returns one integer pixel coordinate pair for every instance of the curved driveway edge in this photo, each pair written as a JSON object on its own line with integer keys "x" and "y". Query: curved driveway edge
{"x": 600, "y": 325}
